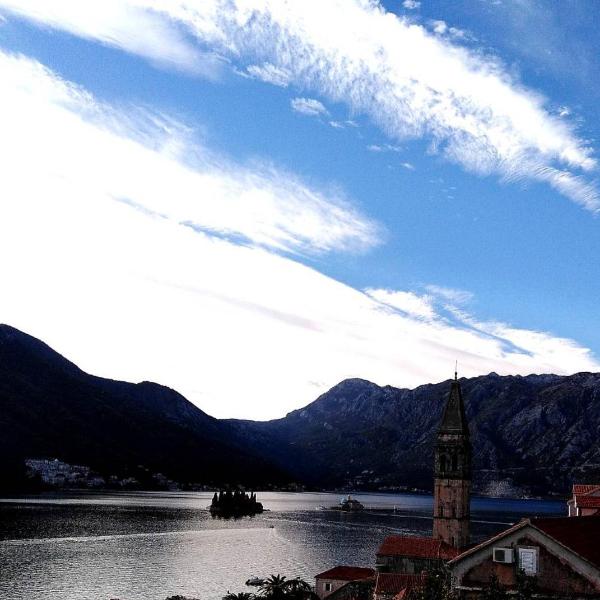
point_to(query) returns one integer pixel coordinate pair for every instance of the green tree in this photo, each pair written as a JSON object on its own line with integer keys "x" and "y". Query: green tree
{"x": 526, "y": 586}
{"x": 277, "y": 587}
{"x": 437, "y": 586}
{"x": 298, "y": 589}
{"x": 494, "y": 590}
{"x": 274, "y": 587}
{"x": 239, "y": 596}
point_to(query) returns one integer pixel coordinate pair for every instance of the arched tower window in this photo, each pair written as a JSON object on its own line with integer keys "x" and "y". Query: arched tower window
{"x": 454, "y": 462}
{"x": 442, "y": 463}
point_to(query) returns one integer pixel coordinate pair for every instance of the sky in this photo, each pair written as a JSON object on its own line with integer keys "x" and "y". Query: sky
{"x": 251, "y": 200}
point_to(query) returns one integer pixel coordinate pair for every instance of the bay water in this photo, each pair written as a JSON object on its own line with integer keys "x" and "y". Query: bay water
{"x": 151, "y": 545}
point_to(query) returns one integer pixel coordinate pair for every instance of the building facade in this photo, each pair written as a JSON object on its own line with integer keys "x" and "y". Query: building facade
{"x": 412, "y": 555}
{"x": 562, "y": 554}
{"x": 452, "y": 472}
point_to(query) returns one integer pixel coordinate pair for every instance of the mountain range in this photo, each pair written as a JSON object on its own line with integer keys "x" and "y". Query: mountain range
{"x": 532, "y": 434}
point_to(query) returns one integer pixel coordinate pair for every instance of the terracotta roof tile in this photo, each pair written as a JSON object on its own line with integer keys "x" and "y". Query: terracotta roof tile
{"x": 345, "y": 573}
{"x": 394, "y": 583}
{"x": 584, "y": 488}
{"x": 588, "y": 501}
{"x": 580, "y": 534}
{"x": 417, "y": 547}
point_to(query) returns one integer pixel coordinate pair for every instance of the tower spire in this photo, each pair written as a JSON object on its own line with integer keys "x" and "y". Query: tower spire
{"x": 452, "y": 485}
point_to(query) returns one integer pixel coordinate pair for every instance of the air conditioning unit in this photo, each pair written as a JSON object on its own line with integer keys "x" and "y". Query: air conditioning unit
{"x": 503, "y": 555}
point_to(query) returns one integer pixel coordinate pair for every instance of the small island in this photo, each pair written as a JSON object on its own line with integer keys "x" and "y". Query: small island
{"x": 237, "y": 504}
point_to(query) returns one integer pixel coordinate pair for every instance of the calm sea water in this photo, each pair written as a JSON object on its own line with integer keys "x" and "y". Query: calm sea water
{"x": 150, "y": 545}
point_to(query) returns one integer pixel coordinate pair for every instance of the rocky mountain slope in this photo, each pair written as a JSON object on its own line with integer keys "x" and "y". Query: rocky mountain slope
{"x": 50, "y": 408}
{"x": 534, "y": 434}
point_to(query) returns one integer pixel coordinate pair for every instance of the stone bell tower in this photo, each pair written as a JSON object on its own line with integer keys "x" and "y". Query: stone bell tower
{"x": 452, "y": 472}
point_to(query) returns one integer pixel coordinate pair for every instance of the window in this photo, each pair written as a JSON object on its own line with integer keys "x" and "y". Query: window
{"x": 327, "y": 587}
{"x": 528, "y": 560}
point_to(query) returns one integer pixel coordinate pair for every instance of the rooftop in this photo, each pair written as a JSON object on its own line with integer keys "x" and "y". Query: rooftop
{"x": 416, "y": 547}
{"x": 345, "y": 573}
{"x": 395, "y": 583}
{"x": 454, "y": 420}
{"x": 588, "y": 501}
{"x": 583, "y": 489}
{"x": 579, "y": 534}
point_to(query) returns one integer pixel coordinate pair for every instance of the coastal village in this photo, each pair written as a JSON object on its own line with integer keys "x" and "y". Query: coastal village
{"x": 551, "y": 557}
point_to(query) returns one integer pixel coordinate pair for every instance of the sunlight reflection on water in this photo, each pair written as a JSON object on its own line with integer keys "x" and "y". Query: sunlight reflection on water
{"x": 147, "y": 546}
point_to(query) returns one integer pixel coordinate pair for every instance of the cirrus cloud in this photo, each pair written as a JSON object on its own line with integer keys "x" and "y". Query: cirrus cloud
{"x": 411, "y": 82}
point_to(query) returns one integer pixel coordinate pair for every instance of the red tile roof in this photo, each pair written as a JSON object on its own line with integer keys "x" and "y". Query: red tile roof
{"x": 394, "y": 583}
{"x": 416, "y": 547}
{"x": 584, "y": 489}
{"x": 579, "y": 534}
{"x": 344, "y": 573}
{"x": 588, "y": 501}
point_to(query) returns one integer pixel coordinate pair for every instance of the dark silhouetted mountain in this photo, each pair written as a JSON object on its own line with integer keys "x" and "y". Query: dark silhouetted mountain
{"x": 534, "y": 434}
{"x": 50, "y": 408}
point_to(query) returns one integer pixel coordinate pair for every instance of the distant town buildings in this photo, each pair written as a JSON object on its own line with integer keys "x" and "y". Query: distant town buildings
{"x": 55, "y": 473}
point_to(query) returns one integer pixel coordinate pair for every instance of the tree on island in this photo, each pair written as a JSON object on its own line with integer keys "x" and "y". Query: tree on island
{"x": 236, "y": 504}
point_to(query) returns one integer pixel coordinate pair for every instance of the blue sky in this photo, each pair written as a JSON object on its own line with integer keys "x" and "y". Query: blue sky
{"x": 250, "y": 200}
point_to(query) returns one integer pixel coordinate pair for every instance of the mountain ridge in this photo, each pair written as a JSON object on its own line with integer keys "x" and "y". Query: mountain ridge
{"x": 382, "y": 437}
{"x": 532, "y": 434}
{"x": 51, "y": 408}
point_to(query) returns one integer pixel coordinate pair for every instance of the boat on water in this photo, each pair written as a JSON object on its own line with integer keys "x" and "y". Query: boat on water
{"x": 255, "y": 581}
{"x": 349, "y": 504}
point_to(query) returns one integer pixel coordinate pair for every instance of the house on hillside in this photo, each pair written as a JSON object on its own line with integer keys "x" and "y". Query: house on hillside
{"x": 563, "y": 555}
{"x": 585, "y": 501}
{"x": 413, "y": 555}
{"x": 333, "y": 580}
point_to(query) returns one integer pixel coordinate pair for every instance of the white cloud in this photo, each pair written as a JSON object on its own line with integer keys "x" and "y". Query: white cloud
{"x": 439, "y": 27}
{"x": 269, "y": 74}
{"x": 564, "y": 111}
{"x": 408, "y": 302}
{"x": 411, "y": 4}
{"x": 145, "y": 163}
{"x": 384, "y": 148}
{"x": 408, "y": 166}
{"x": 442, "y": 28}
{"x": 128, "y": 26}
{"x": 452, "y": 295}
{"x": 309, "y": 107}
{"x": 411, "y": 82}
{"x": 103, "y": 263}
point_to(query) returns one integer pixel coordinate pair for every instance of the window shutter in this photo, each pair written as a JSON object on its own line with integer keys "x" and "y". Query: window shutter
{"x": 528, "y": 560}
